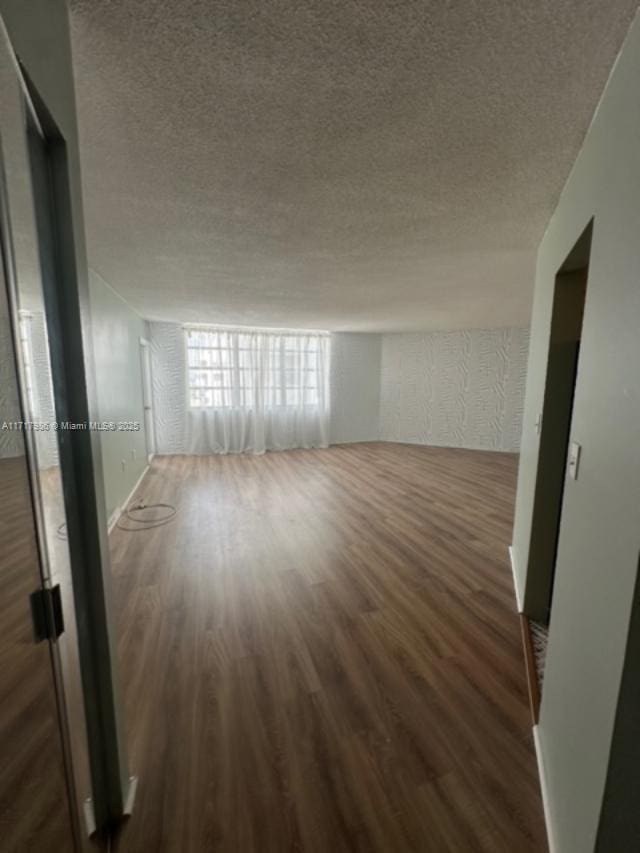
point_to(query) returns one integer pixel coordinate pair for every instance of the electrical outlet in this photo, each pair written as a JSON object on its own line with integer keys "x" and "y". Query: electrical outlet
{"x": 123, "y": 462}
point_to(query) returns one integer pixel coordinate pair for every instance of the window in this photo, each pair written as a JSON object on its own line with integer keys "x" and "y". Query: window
{"x": 250, "y": 368}
{"x": 211, "y": 369}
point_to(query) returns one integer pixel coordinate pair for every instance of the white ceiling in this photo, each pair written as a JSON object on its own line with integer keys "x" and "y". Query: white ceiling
{"x": 340, "y": 164}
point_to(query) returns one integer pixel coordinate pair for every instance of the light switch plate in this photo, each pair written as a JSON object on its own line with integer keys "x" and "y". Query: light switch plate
{"x": 574, "y": 459}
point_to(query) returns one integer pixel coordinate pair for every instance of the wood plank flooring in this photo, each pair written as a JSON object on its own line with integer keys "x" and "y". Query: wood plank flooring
{"x": 34, "y": 801}
{"x": 322, "y": 653}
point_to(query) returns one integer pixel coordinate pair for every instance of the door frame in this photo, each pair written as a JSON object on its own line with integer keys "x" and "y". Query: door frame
{"x": 146, "y": 375}
{"x": 555, "y": 426}
{"x": 80, "y": 461}
{"x": 42, "y": 577}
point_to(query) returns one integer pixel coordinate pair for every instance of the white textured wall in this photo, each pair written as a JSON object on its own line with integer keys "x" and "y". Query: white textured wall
{"x": 454, "y": 389}
{"x": 168, "y": 367}
{"x": 355, "y": 387}
{"x": 116, "y": 333}
{"x": 458, "y": 389}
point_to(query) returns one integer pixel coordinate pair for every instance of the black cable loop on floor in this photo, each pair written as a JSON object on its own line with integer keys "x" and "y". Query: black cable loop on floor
{"x": 146, "y": 523}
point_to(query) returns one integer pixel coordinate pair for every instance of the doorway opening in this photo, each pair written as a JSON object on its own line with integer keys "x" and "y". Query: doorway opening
{"x": 554, "y": 427}
{"x": 554, "y": 424}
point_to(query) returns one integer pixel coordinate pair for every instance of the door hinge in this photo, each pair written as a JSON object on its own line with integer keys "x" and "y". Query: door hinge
{"x": 46, "y": 613}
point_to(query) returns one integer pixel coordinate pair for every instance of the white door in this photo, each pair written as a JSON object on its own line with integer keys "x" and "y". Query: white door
{"x": 147, "y": 397}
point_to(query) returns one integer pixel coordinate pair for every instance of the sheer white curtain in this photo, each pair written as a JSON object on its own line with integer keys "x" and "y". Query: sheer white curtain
{"x": 251, "y": 390}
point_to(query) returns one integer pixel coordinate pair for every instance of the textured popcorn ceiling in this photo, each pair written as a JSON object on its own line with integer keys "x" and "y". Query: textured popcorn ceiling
{"x": 344, "y": 165}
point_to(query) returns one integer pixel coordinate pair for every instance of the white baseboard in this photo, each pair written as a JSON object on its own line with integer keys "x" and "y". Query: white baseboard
{"x": 515, "y": 578}
{"x": 546, "y": 805}
{"x": 119, "y": 510}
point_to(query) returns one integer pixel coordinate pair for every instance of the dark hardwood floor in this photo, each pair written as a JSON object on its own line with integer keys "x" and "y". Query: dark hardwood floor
{"x": 322, "y": 653}
{"x": 34, "y": 800}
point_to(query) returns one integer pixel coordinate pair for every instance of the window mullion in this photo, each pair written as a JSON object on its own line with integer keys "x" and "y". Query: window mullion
{"x": 283, "y": 374}
{"x": 235, "y": 371}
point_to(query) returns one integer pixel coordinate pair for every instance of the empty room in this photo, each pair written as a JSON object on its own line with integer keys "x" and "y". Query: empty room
{"x": 319, "y": 406}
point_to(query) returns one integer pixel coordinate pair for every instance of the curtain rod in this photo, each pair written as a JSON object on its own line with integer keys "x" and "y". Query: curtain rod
{"x": 273, "y": 329}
